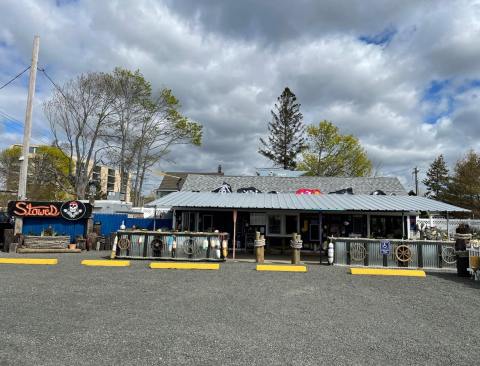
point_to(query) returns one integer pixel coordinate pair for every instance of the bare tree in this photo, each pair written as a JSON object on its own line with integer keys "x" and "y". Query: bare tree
{"x": 131, "y": 104}
{"x": 162, "y": 128}
{"x": 79, "y": 115}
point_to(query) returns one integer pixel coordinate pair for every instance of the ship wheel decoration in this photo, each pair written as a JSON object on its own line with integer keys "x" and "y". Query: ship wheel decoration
{"x": 190, "y": 246}
{"x": 448, "y": 255}
{"x": 124, "y": 243}
{"x": 403, "y": 253}
{"x": 156, "y": 244}
{"x": 357, "y": 252}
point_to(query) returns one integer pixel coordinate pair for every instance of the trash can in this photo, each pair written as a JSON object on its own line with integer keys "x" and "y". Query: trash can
{"x": 462, "y": 265}
{"x": 462, "y": 240}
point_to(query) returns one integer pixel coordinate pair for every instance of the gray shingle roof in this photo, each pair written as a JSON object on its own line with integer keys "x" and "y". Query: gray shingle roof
{"x": 291, "y": 201}
{"x": 173, "y": 181}
{"x": 207, "y": 183}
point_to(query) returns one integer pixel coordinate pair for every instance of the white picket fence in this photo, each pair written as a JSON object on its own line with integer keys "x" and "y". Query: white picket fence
{"x": 452, "y": 223}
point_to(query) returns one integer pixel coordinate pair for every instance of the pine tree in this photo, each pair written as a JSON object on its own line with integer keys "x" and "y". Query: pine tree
{"x": 464, "y": 186}
{"x": 286, "y": 130}
{"x": 437, "y": 178}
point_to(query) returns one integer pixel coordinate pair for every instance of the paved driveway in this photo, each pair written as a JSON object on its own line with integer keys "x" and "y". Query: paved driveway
{"x": 73, "y": 315}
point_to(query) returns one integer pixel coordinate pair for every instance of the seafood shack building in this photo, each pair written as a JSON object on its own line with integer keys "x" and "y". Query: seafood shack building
{"x": 347, "y": 207}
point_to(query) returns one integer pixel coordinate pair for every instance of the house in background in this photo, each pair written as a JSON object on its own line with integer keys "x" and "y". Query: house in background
{"x": 173, "y": 181}
{"x": 358, "y": 185}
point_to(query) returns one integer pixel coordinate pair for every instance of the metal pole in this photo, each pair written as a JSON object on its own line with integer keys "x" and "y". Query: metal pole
{"x": 27, "y": 130}
{"x": 415, "y": 171}
{"x": 448, "y": 227}
{"x": 155, "y": 218}
{"x": 234, "y": 241}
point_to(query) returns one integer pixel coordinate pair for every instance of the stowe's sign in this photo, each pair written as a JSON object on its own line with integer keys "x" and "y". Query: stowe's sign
{"x": 71, "y": 210}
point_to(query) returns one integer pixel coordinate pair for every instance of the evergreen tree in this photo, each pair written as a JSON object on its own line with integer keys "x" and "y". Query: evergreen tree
{"x": 286, "y": 130}
{"x": 464, "y": 186}
{"x": 437, "y": 178}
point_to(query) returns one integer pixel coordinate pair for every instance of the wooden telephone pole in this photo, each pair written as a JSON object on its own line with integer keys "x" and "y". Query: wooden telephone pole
{"x": 27, "y": 130}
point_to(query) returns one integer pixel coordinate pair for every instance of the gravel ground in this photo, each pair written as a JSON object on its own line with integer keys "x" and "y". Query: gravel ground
{"x": 73, "y": 315}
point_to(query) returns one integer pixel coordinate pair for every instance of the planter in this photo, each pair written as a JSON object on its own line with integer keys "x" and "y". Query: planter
{"x": 72, "y": 246}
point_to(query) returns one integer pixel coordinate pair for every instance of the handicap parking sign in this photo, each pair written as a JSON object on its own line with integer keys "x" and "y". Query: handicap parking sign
{"x": 385, "y": 247}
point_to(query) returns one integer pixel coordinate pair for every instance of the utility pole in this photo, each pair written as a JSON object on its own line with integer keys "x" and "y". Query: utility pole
{"x": 27, "y": 129}
{"x": 415, "y": 172}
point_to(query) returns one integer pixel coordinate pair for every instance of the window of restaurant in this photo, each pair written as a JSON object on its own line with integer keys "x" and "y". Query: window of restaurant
{"x": 275, "y": 224}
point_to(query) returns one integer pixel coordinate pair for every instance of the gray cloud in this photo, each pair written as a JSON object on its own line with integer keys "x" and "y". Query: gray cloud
{"x": 228, "y": 61}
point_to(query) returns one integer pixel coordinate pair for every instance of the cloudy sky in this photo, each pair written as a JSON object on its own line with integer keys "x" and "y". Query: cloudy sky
{"x": 403, "y": 76}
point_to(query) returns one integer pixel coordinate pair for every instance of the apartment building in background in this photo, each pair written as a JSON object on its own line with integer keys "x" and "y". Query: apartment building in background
{"x": 107, "y": 178}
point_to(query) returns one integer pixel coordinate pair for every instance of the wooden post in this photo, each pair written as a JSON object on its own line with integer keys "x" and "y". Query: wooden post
{"x": 18, "y": 225}
{"x": 7, "y": 239}
{"x": 295, "y": 251}
{"x": 259, "y": 250}
{"x": 234, "y": 240}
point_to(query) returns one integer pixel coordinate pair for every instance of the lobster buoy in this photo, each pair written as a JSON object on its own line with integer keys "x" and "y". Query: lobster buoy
{"x": 330, "y": 253}
{"x": 174, "y": 248}
{"x": 225, "y": 248}
{"x": 217, "y": 250}
{"x": 205, "y": 244}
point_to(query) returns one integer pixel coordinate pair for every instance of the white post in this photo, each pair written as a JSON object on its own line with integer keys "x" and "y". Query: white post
{"x": 27, "y": 130}
{"x": 448, "y": 227}
{"x": 408, "y": 226}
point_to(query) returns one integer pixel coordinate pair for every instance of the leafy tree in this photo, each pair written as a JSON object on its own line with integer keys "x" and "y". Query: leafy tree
{"x": 286, "y": 130}
{"x": 47, "y": 173}
{"x": 10, "y": 168}
{"x": 437, "y": 178}
{"x": 464, "y": 187}
{"x": 48, "y": 176}
{"x": 330, "y": 153}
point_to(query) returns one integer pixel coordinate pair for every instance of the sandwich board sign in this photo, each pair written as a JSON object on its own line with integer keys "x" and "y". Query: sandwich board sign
{"x": 385, "y": 247}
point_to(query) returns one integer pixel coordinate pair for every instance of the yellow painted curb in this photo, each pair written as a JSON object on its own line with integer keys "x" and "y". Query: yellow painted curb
{"x": 105, "y": 263}
{"x": 281, "y": 268}
{"x": 48, "y": 261}
{"x": 180, "y": 265}
{"x": 388, "y": 272}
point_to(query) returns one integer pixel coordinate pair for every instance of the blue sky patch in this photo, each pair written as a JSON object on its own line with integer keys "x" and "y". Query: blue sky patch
{"x": 379, "y": 39}
{"x": 60, "y": 3}
{"x": 446, "y": 92}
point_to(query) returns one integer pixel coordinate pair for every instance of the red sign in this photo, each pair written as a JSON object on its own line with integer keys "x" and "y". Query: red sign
{"x": 308, "y": 191}
{"x": 71, "y": 210}
{"x": 26, "y": 209}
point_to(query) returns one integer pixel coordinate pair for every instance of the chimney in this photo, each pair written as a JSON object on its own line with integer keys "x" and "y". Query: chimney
{"x": 219, "y": 169}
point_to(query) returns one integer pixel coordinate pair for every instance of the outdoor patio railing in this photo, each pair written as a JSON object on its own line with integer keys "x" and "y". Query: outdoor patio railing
{"x": 192, "y": 246}
{"x": 394, "y": 253}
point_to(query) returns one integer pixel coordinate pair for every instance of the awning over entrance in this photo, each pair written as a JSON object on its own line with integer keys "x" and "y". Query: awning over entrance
{"x": 291, "y": 201}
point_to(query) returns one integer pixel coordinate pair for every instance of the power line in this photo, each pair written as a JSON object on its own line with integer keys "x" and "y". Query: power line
{"x": 15, "y": 123}
{"x": 14, "y": 78}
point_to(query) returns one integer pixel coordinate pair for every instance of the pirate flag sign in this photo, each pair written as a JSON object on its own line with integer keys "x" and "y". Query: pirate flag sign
{"x": 73, "y": 210}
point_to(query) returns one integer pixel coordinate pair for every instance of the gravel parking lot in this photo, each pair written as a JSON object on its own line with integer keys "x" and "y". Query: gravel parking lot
{"x": 73, "y": 315}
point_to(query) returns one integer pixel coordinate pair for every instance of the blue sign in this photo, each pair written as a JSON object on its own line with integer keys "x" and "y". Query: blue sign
{"x": 385, "y": 247}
